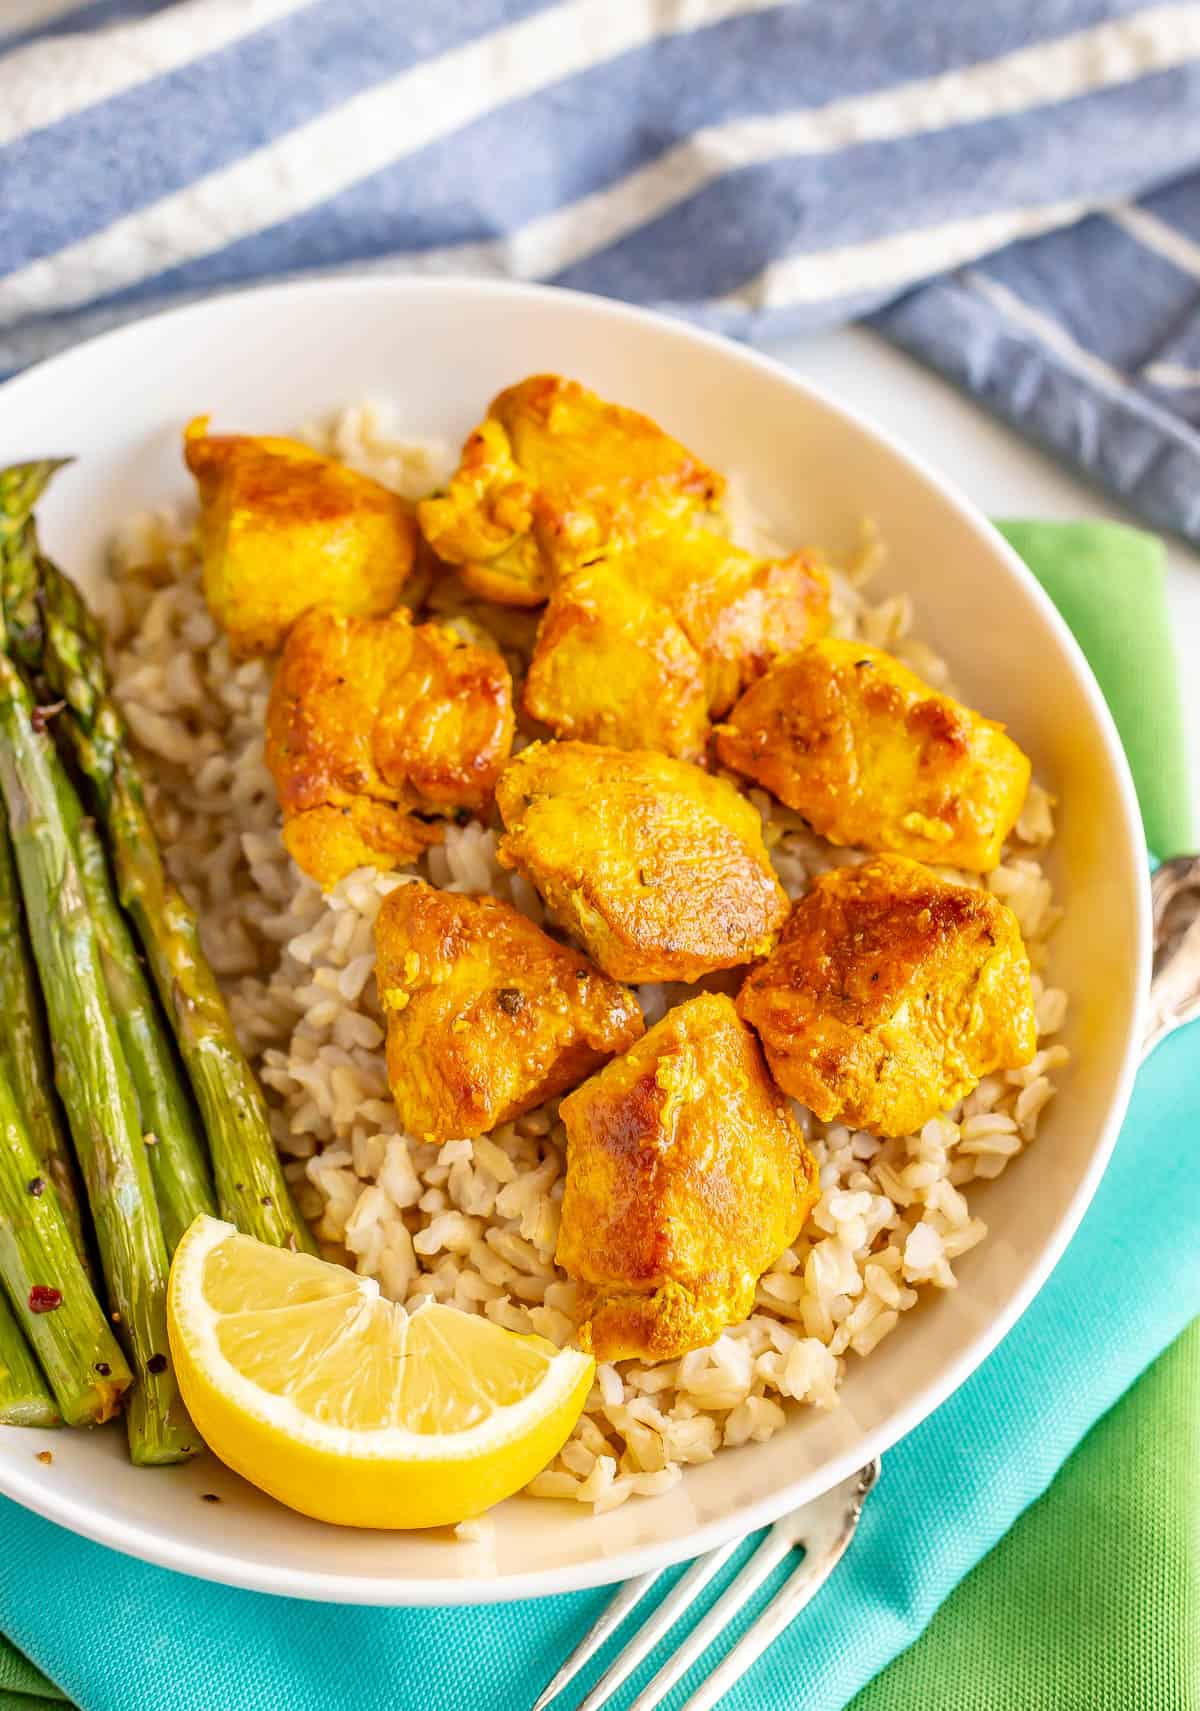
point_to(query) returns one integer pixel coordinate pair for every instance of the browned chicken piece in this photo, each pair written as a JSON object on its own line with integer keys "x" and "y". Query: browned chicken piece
{"x": 553, "y": 477}
{"x": 329, "y": 842}
{"x": 741, "y": 613}
{"x": 891, "y": 995}
{"x": 376, "y": 719}
{"x": 687, "y": 1177}
{"x": 872, "y": 756}
{"x": 611, "y": 665}
{"x": 653, "y": 865}
{"x": 283, "y": 528}
{"x": 486, "y": 1016}
{"x": 640, "y": 647}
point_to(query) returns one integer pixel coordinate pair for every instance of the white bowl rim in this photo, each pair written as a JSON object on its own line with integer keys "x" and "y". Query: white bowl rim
{"x": 321, "y": 1586}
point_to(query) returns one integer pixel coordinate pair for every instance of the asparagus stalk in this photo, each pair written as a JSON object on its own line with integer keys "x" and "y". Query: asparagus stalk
{"x": 47, "y": 1286}
{"x": 24, "y": 1397}
{"x": 251, "y": 1188}
{"x": 93, "y": 1079}
{"x": 58, "y": 638}
{"x": 175, "y": 1150}
{"x": 21, "y": 486}
{"x": 25, "y": 1051}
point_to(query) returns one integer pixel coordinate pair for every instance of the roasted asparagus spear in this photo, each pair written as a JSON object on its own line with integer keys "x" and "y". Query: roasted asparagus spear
{"x": 21, "y": 486}
{"x": 48, "y": 1289}
{"x": 174, "y": 1147}
{"x": 25, "y": 1399}
{"x": 251, "y": 1188}
{"x": 59, "y": 639}
{"x": 25, "y": 1051}
{"x": 93, "y": 1079}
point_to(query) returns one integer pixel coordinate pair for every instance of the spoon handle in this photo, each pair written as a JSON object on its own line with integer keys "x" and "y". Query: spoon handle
{"x": 1175, "y": 984}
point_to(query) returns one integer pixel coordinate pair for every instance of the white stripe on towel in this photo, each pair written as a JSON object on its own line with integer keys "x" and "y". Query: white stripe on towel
{"x": 1173, "y": 376}
{"x": 887, "y": 264}
{"x": 1146, "y": 228}
{"x": 48, "y": 81}
{"x": 1056, "y": 338}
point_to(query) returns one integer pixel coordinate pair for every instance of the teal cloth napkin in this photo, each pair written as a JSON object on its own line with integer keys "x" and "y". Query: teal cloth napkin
{"x": 116, "y": 1634}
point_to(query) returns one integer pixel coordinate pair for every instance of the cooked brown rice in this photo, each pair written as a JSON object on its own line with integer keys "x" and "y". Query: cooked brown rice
{"x": 473, "y": 1223}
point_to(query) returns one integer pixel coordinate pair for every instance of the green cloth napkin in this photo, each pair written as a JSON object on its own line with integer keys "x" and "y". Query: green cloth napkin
{"x": 1092, "y": 1601}
{"x": 1109, "y": 583}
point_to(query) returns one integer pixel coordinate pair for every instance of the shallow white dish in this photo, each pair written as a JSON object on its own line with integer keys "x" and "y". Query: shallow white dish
{"x": 267, "y": 360}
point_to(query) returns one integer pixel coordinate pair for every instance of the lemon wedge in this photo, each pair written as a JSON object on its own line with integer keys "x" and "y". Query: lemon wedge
{"x": 304, "y": 1380}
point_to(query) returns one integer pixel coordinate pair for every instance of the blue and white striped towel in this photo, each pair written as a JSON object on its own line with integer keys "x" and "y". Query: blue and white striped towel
{"x": 1011, "y": 190}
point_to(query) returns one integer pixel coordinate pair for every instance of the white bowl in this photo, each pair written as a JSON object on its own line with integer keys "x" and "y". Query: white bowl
{"x": 270, "y": 359}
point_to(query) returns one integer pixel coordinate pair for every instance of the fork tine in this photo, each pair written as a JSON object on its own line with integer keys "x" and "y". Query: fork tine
{"x": 775, "y": 1546}
{"x": 820, "y": 1560}
{"x": 666, "y": 1614}
{"x": 606, "y": 1624}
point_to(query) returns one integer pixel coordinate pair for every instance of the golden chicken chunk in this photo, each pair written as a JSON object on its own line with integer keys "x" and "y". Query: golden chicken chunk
{"x": 553, "y": 477}
{"x": 740, "y": 613}
{"x": 371, "y": 719}
{"x": 891, "y": 995}
{"x": 612, "y": 666}
{"x": 486, "y": 1016}
{"x": 870, "y": 755}
{"x": 640, "y": 647}
{"x": 687, "y": 1177}
{"x": 656, "y": 867}
{"x": 283, "y": 528}
{"x": 329, "y": 842}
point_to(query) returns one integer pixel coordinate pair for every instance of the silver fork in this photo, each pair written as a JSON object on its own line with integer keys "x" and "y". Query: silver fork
{"x": 824, "y": 1528}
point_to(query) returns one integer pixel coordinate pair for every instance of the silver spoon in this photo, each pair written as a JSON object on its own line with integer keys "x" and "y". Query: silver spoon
{"x": 1175, "y": 985}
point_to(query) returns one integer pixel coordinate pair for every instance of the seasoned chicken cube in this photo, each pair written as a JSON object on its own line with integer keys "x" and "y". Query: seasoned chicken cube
{"x": 612, "y": 666}
{"x": 891, "y": 995}
{"x": 687, "y": 1177}
{"x": 283, "y": 528}
{"x": 553, "y": 477}
{"x": 329, "y": 842}
{"x": 872, "y": 756}
{"x": 379, "y": 718}
{"x": 740, "y": 613}
{"x": 486, "y": 1016}
{"x": 654, "y": 866}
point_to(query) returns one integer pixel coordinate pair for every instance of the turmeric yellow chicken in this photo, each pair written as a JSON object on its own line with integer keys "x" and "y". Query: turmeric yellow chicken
{"x": 283, "y": 528}
{"x": 658, "y": 869}
{"x": 486, "y": 1016}
{"x": 891, "y": 995}
{"x": 611, "y": 665}
{"x": 372, "y": 720}
{"x": 639, "y": 648}
{"x": 687, "y": 1177}
{"x": 870, "y": 755}
{"x": 740, "y": 613}
{"x": 553, "y": 477}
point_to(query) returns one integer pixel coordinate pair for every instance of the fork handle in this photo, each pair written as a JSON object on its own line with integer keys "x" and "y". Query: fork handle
{"x": 824, "y": 1546}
